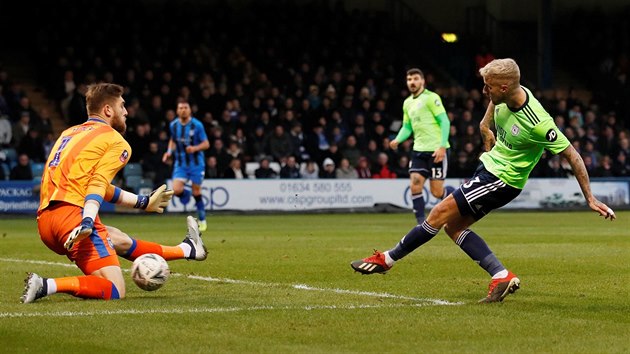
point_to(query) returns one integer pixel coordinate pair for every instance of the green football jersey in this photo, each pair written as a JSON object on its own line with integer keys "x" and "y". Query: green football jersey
{"x": 422, "y": 112}
{"x": 522, "y": 135}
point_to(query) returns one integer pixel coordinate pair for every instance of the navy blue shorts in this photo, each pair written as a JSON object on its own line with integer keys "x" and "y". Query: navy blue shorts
{"x": 422, "y": 163}
{"x": 483, "y": 193}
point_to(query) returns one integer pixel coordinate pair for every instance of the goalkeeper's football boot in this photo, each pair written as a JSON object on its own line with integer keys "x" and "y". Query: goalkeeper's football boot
{"x": 198, "y": 250}
{"x": 500, "y": 288}
{"x": 34, "y": 288}
{"x": 370, "y": 265}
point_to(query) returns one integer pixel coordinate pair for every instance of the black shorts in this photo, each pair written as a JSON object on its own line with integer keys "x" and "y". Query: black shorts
{"x": 483, "y": 193}
{"x": 422, "y": 163}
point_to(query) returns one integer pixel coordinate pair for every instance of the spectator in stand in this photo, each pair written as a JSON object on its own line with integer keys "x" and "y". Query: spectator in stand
{"x": 621, "y": 166}
{"x": 33, "y": 146}
{"x": 346, "y": 171}
{"x": 223, "y": 158}
{"x": 290, "y": 168}
{"x": 316, "y": 143}
{"x": 139, "y": 139}
{"x": 279, "y": 143}
{"x": 297, "y": 142}
{"x": 153, "y": 167}
{"x": 234, "y": 170}
{"x": 382, "y": 169}
{"x": 212, "y": 170}
{"x": 605, "y": 168}
{"x": 554, "y": 168}
{"x": 364, "y": 168}
{"x": 264, "y": 171}
{"x": 328, "y": 169}
{"x": 21, "y": 128}
{"x": 401, "y": 170}
{"x": 77, "y": 113}
{"x": 350, "y": 150}
{"x": 22, "y": 171}
{"x": 464, "y": 165}
{"x": 333, "y": 153}
{"x": 309, "y": 170}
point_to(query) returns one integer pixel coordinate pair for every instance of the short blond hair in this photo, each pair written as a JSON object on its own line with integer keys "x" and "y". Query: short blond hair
{"x": 502, "y": 69}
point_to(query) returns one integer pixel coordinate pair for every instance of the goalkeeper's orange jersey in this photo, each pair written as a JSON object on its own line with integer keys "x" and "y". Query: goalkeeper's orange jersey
{"x": 83, "y": 162}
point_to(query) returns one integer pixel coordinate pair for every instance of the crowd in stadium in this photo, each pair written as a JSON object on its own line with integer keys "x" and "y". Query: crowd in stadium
{"x": 317, "y": 102}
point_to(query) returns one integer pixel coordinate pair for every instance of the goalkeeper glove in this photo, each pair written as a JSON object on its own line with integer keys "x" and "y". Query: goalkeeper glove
{"x": 157, "y": 200}
{"x": 79, "y": 233}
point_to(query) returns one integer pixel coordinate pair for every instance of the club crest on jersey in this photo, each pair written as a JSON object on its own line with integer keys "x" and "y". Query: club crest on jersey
{"x": 124, "y": 156}
{"x": 515, "y": 130}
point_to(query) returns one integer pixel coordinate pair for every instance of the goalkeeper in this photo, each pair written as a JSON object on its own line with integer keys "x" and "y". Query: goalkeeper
{"x": 76, "y": 181}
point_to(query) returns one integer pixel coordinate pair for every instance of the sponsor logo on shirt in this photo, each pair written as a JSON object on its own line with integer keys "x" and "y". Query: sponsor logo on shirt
{"x": 551, "y": 135}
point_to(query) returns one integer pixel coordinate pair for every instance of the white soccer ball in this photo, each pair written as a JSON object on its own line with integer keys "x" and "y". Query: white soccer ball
{"x": 150, "y": 271}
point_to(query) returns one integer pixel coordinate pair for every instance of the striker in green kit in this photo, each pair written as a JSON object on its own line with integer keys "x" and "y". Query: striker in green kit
{"x": 522, "y": 135}
{"x": 523, "y": 130}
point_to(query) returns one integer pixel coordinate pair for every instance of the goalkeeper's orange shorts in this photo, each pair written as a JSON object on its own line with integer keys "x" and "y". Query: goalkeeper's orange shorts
{"x": 90, "y": 254}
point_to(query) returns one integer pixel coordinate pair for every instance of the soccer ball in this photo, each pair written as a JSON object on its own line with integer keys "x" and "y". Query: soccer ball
{"x": 150, "y": 271}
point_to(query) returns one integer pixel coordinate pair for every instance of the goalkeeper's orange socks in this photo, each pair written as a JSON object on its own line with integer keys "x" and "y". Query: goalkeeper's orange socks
{"x": 140, "y": 247}
{"x": 87, "y": 287}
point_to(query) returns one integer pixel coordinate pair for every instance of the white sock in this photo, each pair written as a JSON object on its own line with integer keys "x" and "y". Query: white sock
{"x": 52, "y": 286}
{"x": 388, "y": 260}
{"x": 186, "y": 248}
{"x": 501, "y": 274}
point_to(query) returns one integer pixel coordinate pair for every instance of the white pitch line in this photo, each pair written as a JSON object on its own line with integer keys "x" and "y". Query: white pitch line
{"x": 199, "y": 310}
{"x": 263, "y": 284}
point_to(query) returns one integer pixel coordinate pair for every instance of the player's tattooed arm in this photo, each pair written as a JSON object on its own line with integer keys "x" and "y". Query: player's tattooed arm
{"x": 581, "y": 174}
{"x": 485, "y": 128}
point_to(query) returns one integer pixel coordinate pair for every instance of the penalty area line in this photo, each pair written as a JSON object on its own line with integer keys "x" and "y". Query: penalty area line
{"x": 303, "y": 287}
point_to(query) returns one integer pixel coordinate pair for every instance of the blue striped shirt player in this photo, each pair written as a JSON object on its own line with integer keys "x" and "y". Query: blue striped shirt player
{"x": 186, "y": 146}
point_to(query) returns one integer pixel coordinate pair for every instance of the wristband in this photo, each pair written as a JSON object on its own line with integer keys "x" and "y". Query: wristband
{"x": 169, "y": 151}
{"x": 142, "y": 202}
{"x": 87, "y": 223}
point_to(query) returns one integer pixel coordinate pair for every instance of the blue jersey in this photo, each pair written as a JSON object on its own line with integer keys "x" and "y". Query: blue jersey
{"x": 192, "y": 133}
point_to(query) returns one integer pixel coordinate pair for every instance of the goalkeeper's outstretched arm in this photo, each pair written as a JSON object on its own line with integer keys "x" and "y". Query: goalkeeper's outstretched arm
{"x": 154, "y": 202}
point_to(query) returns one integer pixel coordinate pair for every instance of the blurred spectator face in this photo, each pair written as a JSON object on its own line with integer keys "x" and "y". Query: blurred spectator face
{"x": 264, "y": 163}
{"x": 382, "y": 159}
{"x": 153, "y": 147}
{"x": 23, "y": 160}
{"x": 344, "y": 163}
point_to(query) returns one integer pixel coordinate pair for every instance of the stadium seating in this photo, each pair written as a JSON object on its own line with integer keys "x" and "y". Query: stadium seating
{"x": 10, "y": 156}
{"x": 37, "y": 168}
{"x": 7, "y": 170}
{"x": 132, "y": 169}
{"x": 132, "y": 183}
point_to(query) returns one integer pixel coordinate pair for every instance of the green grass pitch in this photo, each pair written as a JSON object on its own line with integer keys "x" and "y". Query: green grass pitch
{"x": 283, "y": 284}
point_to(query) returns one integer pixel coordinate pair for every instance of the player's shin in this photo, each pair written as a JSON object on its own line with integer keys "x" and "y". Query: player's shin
{"x": 201, "y": 211}
{"x": 140, "y": 247}
{"x": 418, "y": 206}
{"x": 87, "y": 287}
{"x": 477, "y": 249}
{"x": 415, "y": 238}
